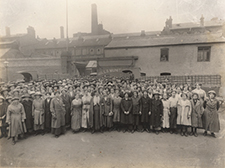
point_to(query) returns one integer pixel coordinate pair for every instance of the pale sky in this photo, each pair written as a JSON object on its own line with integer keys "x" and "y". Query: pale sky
{"x": 117, "y": 16}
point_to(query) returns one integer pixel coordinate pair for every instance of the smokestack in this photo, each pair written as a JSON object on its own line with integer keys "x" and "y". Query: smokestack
{"x": 94, "y": 19}
{"x": 7, "y": 31}
{"x": 61, "y": 32}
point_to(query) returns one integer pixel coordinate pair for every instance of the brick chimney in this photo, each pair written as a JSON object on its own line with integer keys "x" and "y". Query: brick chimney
{"x": 61, "y": 32}
{"x": 7, "y": 31}
{"x": 94, "y": 19}
{"x": 202, "y": 21}
{"x": 31, "y": 32}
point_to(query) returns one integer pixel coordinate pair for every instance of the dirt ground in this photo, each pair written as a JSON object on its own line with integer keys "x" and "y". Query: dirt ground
{"x": 116, "y": 149}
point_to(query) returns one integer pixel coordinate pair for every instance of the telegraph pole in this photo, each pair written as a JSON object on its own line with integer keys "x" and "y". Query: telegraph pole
{"x": 67, "y": 38}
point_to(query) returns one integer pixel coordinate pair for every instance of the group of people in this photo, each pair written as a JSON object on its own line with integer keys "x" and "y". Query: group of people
{"x": 99, "y": 105}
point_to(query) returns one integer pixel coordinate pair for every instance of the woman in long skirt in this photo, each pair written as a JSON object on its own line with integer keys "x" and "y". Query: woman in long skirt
{"x": 173, "y": 112}
{"x": 15, "y": 118}
{"x": 27, "y": 104}
{"x": 97, "y": 116}
{"x": 196, "y": 114}
{"x": 76, "y": 112}
{"x": 87, "y": 119}
{"x": 106, "y": 110}
{"x": 156, "y": 113}
{"x": 184, "y": 109}
{"x": 58, "y": 115}
{"x": 211, "y": 118}
{"x": 38, "y": 114}
{"x": 166, "y": 113}
{"x": 126, "y": 113}
{"x": 116, "y": 110}
{"x": 3, "y": 111}
{"x": 48, "y": 114}
{"x": 136, "y": 111}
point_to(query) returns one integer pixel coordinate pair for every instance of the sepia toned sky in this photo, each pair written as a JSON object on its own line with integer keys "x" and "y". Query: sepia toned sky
{"x": 117, "y": 16}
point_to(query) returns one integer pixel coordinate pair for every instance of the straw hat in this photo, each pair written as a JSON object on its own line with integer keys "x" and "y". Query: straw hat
{"x": 212, "y": 91}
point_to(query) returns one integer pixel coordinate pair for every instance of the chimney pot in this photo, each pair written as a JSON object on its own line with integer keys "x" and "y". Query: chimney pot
{"x": 61, "y": 32}
{"x": 7, "y": 31}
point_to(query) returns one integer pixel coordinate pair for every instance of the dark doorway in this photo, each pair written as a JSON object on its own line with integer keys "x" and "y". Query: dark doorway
{"x": 165, "y": 74}
{"x": 27, "y": 76}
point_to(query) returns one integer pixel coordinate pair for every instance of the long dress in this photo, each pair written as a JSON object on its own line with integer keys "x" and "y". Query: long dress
{"x": 211, "y": 117}
{"x": 15, "y": 118}
{"x": 3, "y": 111}
{"x": 173, "y": 112}
{"x": 166, "y": 110}
{"x": 38, "y": 113}
{"x": 136, "y": 110}
{"x": 116, "y": 109}
{"x": 48, "y": 115}
{"x": 145, "y": 108}
{"x": 67, "y": 103}
{"x": 105, "y": 108}
{"x": 28, "y": 110}
{"x": 87, "y": 118}
{"x": 58, "y": 116}
{"x": 156, "y": 113}
{"x": 196, "y": 114}
{"x": 98, "y": 118}
{"x": 184, "y": 112}
{"x": 76, "y": 111}
{"x": 126, "y": 106}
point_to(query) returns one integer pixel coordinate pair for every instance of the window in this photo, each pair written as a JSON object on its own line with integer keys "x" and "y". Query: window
{"x": 92, "y": 51}
{"x": 84, "y": 51}
{"x": 204, "y": 54}
{"x": 99, "y": 51}
{"x": 164, "y": 56}
{"x": 78, "y": 51}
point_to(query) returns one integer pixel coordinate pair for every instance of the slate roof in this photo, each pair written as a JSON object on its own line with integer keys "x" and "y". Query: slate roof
{"x": 165, "y": 40}
{"x": 74, "y": 42}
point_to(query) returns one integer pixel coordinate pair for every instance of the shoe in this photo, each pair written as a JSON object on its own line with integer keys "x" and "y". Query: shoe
{"x": 195, "y": 134}
{"x": 186, "y": 134}
{"x": 124, "y": 131}
{"x": 191, "y": 133}
{"x": 171, "y": 132}
{"x": 142, "y": 130}
{"x": 93, "y": 131}
{"x": 42, "y": 133}
{"x": 13, "y": 142}
{"x": 213, "y": 135}
{"x": 147, "y": 130}
{"x": 205, "y": 133}
{"x": 157, "y": 132}
{"x": 182, "y": 134}
{"x": 132, "y": 131}
{"x": 56, "y": 136}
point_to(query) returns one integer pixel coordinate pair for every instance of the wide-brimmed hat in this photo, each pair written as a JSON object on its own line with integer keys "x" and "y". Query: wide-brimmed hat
{"x": 15, "y": 98}
{"x": 156, "y": 93}
{"x": 212, "y": 91}
{"x": 4, "y": 89}
{"x": 8, "y": 97}
{"x": 26, "y": 96}
{"x": 15, "y": 90}
{"x": 194, "y": 94}
{"x": 38, "y": 94}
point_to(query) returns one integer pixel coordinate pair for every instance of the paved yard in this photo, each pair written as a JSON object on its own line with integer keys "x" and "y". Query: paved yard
{"x": 116, "y": 150}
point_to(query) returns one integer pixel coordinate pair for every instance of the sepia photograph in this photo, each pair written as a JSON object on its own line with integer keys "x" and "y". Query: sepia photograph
{"x": 112, "y": 83}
